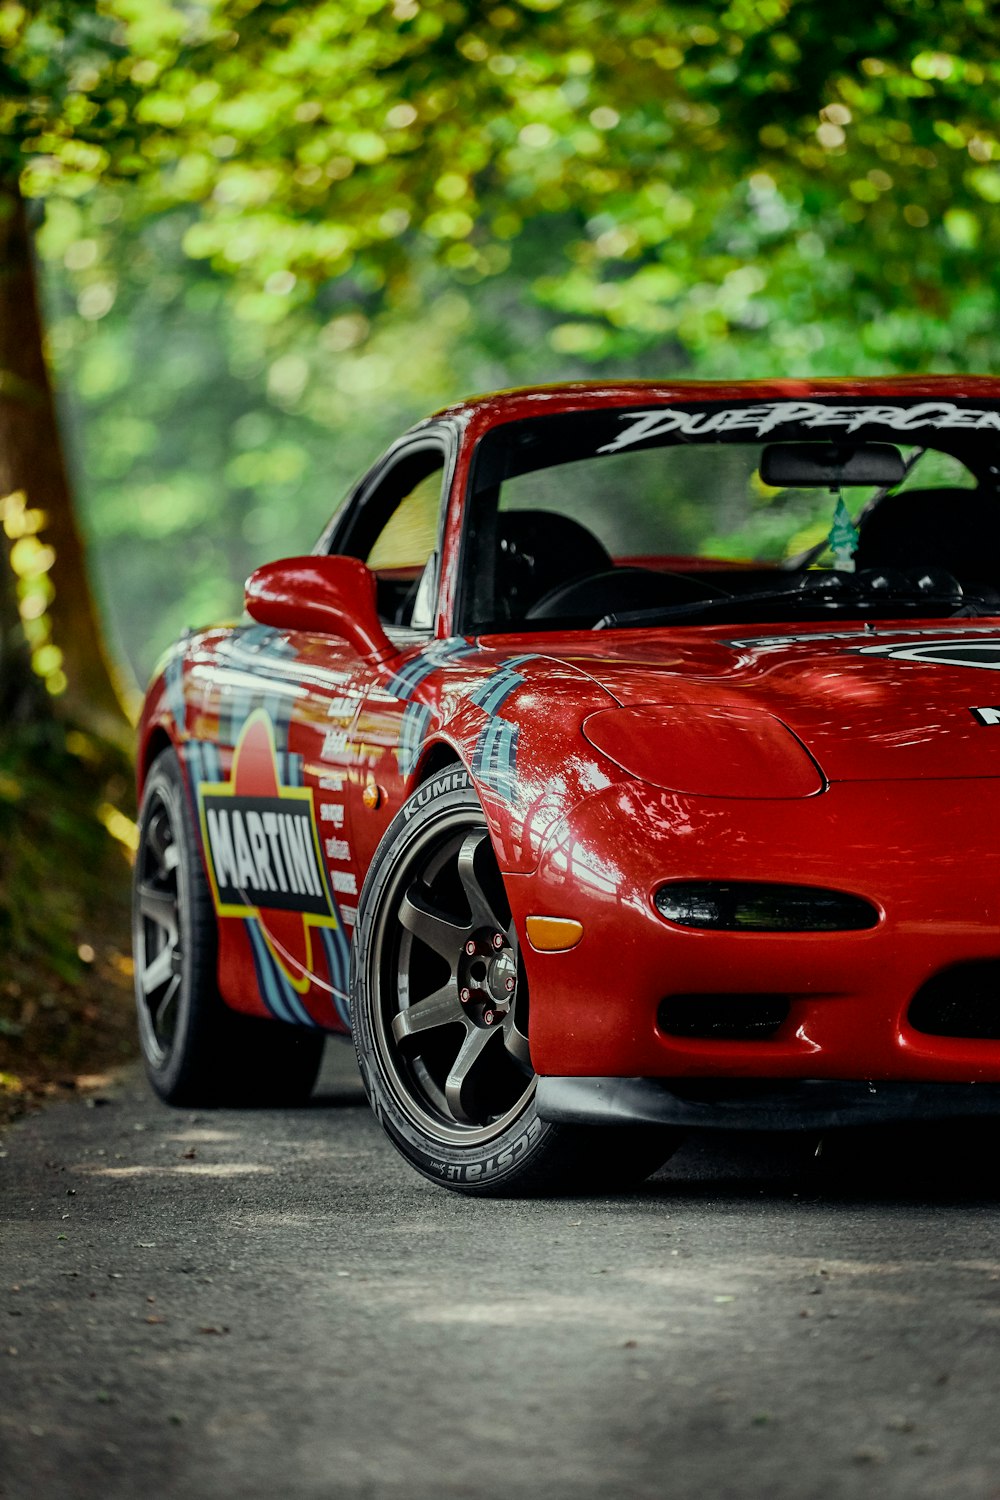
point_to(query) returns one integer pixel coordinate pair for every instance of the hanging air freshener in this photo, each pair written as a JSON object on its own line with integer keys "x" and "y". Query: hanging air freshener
{"x": 843, "y": 538}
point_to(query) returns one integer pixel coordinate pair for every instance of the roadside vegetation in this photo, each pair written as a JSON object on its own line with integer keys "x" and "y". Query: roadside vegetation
{"x": 65, "y": 986}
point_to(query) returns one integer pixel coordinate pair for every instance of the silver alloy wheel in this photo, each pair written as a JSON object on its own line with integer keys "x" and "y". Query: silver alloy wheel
{"x": 157, "y": 943}
{"x": 451, "y": 998}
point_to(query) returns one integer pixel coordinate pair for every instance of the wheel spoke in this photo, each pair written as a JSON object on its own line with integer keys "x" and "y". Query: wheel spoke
{"x": 159, "y": 906}
{"x": 453, "y": 1059}
{"x": 480, "y": 907}
{"x": 517, "y": 1045}
{"x": 431, "y": 927}
{"x": 159, "y": 971}
{"x": 158, "y": 838}
{"x": 459, "y": 1086}
{"x": 161, "y": 849}
{"x": 440, "y": 1009}
{"x": 160, "y": 1012}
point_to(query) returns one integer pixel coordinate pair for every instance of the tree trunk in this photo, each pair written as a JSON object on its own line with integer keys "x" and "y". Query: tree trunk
{"x": 31, "y": 460}
{"x": 23, "y": 699}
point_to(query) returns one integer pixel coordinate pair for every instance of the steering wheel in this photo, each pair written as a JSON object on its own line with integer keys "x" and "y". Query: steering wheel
{"x": 616, "y": 589}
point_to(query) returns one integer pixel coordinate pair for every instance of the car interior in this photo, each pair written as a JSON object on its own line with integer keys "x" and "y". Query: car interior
{"x": 535, "y": 567}
{"x": 933, "y": 551}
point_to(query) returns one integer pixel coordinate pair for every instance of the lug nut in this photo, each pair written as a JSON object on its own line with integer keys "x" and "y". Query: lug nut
{"x": 498, "y": 940}
{"x": 509, "y": 984}
{"x": 470, "y": 947}
{"x": 465, "y": 996}
{"x": 489, "y": 1016}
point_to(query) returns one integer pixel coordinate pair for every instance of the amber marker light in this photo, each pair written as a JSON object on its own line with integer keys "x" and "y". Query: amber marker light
{"x": 372, "y": 796}
{"x": 553, "y": 934}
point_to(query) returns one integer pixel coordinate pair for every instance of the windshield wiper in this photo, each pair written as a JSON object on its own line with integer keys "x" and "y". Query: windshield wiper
{"x": 836, "y": 592}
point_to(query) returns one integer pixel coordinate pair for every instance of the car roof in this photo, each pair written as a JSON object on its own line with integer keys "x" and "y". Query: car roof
{"x": 580, "y": 395}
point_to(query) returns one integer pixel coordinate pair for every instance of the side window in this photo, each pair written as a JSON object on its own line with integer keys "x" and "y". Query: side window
{"x": 402, "y": 555}
{"x": 410, "y": 535}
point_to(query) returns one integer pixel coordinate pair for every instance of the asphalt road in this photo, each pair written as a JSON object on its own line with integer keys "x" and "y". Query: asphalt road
{"x": 274, "y": 1305}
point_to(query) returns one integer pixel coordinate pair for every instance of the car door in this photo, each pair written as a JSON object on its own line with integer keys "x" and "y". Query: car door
{"x": 273, "y": 812}
{"x": 281, "y": 784}
{"x": 395, "y": 528}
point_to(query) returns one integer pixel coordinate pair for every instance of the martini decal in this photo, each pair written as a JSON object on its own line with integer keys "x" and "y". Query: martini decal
{"x": 263, "y": 853}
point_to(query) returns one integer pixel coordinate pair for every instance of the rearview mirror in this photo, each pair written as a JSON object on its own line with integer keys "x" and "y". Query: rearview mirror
{"x": 830, "y": 465}
{"x": 332, "y": 595}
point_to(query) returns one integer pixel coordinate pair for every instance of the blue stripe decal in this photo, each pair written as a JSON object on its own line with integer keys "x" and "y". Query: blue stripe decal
{"x": 202, "y": 757}
{"x": 211, "y": 761}
{"x": 239, "y": 702}
{"x": 499, "y": 685}
{"x": 173, "y": 682}
{"x": 191, "y": 755}
{"x": 265, "y": 638}
{"x": 437, "y": 654}
{"x": 338, "y": 960}
{"x": 278, "y": 710}
{"x": 277, "y": 994}
{"x": 412, "y": 729}
{"x": 269, "y": 991}
{"x": 494, "y": 760}
{"x": 194, "y": 754}
{"x": 293, "y": 770}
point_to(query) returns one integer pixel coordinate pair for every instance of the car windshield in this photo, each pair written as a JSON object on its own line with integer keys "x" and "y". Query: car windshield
{"x": 635, "y": 516}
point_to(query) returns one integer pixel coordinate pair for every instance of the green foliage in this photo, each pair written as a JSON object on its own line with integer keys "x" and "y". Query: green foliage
{"x": 52, "y": 784}
{"x": 387, "y": 203}
{"x": 206, "y": 439}
{"x": 713, "y": 174}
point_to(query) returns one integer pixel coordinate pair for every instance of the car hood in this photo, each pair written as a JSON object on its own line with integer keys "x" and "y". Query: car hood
{"x": 869, "y": 704}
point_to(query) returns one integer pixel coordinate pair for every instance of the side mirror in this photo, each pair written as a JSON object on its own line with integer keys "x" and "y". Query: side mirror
{"x": 331, "y": 595}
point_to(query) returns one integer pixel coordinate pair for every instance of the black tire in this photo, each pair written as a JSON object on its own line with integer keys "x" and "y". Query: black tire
{"x": 196, "y": 1050}
{"x": 452, "y": 1082}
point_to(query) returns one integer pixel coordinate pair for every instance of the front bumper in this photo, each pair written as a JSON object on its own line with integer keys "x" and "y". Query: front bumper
{"x": 789, "y": 1104}
{"x": 925, "y": 853}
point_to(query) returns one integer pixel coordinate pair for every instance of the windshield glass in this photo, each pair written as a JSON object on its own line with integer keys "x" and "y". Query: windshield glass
{"x": 571, "y": 514}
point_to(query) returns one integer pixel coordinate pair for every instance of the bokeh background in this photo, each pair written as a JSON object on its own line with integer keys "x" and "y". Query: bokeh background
{"x": 316, "y": 222}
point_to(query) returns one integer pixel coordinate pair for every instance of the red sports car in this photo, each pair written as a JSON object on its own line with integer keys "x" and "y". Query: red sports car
{"x": 623, "y": 759}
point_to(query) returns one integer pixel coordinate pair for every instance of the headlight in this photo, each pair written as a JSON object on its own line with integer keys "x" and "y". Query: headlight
{"x": 706, "y": 750}
{"x": 752, "y": 906}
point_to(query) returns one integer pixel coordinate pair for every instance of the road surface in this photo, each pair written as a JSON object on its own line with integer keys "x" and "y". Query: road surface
{"x": 243, "y": 1304}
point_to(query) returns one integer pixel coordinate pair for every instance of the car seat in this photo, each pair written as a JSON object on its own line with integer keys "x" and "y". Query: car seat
{"x": 537, "y": 550}
{"x": 951, "y": 529}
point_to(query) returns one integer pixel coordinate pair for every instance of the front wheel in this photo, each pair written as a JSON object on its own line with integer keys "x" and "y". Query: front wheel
{"x": 440, "y": 1016}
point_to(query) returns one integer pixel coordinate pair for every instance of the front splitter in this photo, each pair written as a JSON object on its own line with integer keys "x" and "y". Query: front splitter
{"x": 779, "y": 1104}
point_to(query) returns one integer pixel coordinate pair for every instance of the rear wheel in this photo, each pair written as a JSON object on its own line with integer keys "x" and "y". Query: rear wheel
{"x": 196, "y": 1050}
{"x": 440, "y": 1015}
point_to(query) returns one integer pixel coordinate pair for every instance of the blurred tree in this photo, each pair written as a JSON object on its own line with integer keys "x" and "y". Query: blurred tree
{"x": 207, "y": 438}
{"x": 48, "y": 622}
{"x": 705, "y": 170}
{"x": 764, "y": 185}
